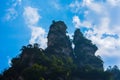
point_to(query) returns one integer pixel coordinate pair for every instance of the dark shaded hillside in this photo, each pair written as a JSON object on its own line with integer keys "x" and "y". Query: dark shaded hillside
{"x": 59, "y": 61}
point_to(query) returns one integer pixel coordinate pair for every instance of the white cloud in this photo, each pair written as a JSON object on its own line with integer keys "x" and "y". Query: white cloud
{"x": 114, "y": 2}
{"x": 108, "y": 46}
{"x": 78, "y": 23}
{"x": 105, "y": 17}
{"x": 71, "y": 38}
{"x": 38, "y": 34}
{"x": 31, "y": 15}
{"x": 92, "y": 5}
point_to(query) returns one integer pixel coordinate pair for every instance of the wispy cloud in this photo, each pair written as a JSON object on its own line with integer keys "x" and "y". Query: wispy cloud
{"x": 103, "y": 18}
{"x": 75, "y": 6}
{"x": 12, "y": 13}
{"x": 55, "y": 5}
{"x": 16, "y": 3}
{"x": 38, "y": 34}
{"x": 113, "y": 2}
{"x": 78, "y": 23}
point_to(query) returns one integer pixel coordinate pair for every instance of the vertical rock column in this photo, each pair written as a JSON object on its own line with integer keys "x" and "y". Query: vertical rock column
{"x": 58, "y": 41}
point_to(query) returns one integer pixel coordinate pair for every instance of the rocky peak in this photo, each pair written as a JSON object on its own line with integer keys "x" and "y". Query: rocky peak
{"x": 58, "y": 26}
{"x": 83, "y": 45}
{"x": 85, "y": 51}
{"x": 58, "y": 41}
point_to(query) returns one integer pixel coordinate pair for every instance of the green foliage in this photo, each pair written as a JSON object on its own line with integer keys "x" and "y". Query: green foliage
{"x": 35, "y": 72}
{"x": 34, "y": 64}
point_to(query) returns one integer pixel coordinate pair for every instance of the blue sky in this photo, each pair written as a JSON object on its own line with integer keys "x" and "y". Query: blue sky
{"x": 27, "y": 21}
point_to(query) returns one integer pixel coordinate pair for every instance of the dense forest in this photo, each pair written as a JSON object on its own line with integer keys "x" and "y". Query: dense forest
{"x": 60, "y": 61}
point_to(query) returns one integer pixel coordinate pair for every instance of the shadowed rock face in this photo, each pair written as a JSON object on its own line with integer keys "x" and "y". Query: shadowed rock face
{"x": 85, "y": 51}
{"x": 83, "y": 45}
{"x": 58, "y": 41}
{"x": 57, "y": 30}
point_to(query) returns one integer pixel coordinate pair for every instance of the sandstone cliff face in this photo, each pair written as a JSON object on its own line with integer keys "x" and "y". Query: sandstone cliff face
{"x": 58, "y": 41}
